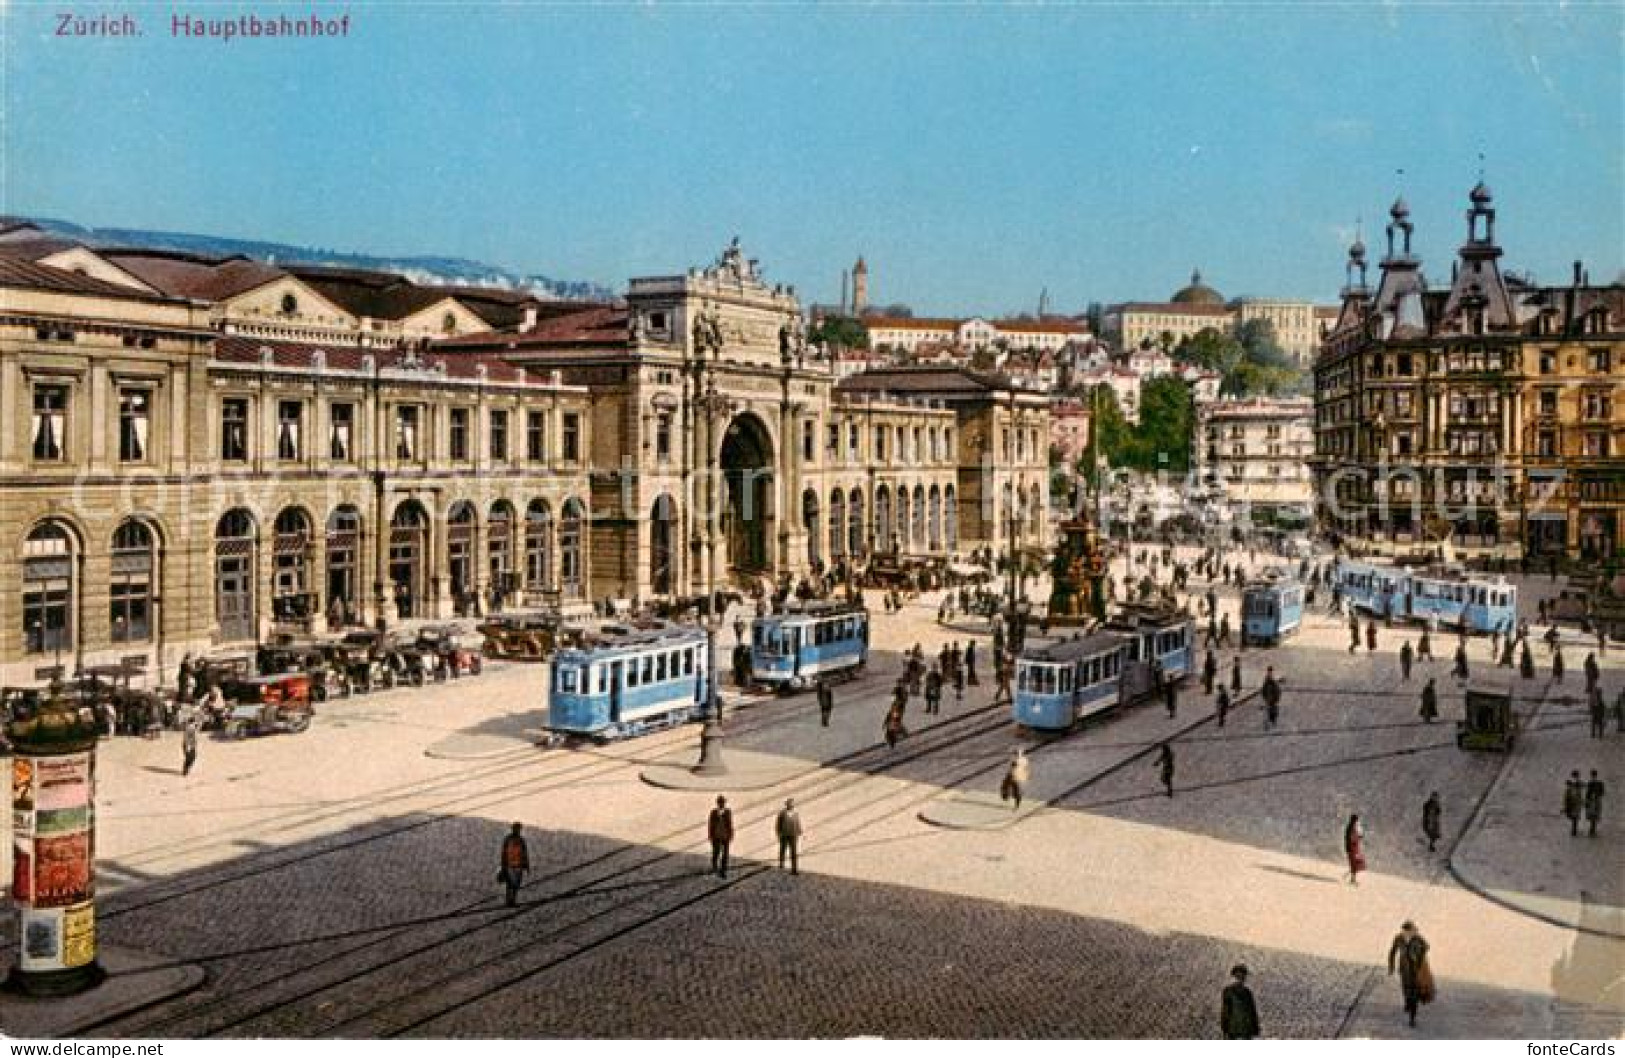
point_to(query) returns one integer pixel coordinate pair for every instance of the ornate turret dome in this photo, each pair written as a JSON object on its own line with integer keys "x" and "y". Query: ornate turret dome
{"x": 1198, "y": 293}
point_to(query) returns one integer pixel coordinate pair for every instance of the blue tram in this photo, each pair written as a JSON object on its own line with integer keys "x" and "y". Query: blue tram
{"x": 629, "y": 680}
{"x": 1060, "y": 684}
{"x": 1271, "y": 609}
{"x": 821, "y": 640}
{"x": 1447, "y": 598}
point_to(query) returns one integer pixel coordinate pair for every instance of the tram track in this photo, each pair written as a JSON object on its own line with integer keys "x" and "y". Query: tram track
{"x": 252, "y": 1008}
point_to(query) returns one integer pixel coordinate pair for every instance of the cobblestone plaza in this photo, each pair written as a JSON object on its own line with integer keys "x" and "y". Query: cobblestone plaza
{"x": 340, "y": 883}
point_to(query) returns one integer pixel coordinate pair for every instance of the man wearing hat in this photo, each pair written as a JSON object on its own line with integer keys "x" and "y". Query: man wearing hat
{"x": 1409, "y": 955}
{"x": 789, "y": 831}
{"x": 1238, "y": 1016}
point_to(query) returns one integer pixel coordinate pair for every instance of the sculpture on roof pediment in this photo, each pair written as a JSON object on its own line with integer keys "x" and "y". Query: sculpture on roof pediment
{"x": 707, "y": 333}
{"x": 634, "y": 327}
{"x": 732, "y": 264}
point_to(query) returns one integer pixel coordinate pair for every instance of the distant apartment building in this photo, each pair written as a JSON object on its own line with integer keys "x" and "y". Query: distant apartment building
{"x": 1256, "y": 451}
{"x": 901, "y": 334}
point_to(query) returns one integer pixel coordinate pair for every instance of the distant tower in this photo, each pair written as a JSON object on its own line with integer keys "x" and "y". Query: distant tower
{"x": 860, "y": 287}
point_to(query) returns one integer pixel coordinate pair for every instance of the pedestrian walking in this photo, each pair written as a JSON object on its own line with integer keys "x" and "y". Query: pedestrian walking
{"x": 1432, "y": 818}
{"x": 1354, "y": 633}
{"x": 933, "y": 692}
{"x": 959, "y": 684}
{"x": 1599, "y": 713}
{"x": 1592, "y": 672}
{"x": 719, "y": 828}
{"x": 1223, "y": 705}
{"x": 1407, "y": 657}
{"x": 970, "y": 664}
{"x": 1409, "y": 955}
{"x": 1270, "y": 691}
{"x": 826, "y": 703}
{"x": 515, "y": 862}
{"x": 1235, "y": 675}
{"x": 1170, "y": 697}
{"x": 894, "y": 731}
{"x": 1594, "y": 791}
{"x": 1371, "y": 636}
{"x": 1210, "y": 669}
{"x": 1574, "y": 792}
{"x": 1460, "y": 671}
{"x": 1238, "y": 1013}
{"x": 1354, "y": 848}
{"x": 1506, "y": 653}
{"x": 1424, "y": 646}
{"x": 1526, "y": 663}
{"x": 788, "y": 828}
{"x": 1165, "y": 768}
{"x": 1016, "y": 778}
{"x": 1224, "y": 630}
{"x": 1557, "y": 664}
{"x": 1001, "y": 696}
{"x": 1430, "y": 702}
{"x": 189, "y": 747}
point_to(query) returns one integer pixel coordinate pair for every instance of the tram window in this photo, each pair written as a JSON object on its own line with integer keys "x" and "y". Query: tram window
{"x": 648, "y": 669}
{"x": 632, "y": 672}
{"x": 660, "y": 668}
{"x": 688, "y": 662}
{"x": 1021, "y": 677}
{"x": 602, "y": 673}
{"x": 1066, "y": 681}
{"x": 567, "y": 681}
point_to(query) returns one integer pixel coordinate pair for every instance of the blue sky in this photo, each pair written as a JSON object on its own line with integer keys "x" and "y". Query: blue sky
{"x": 974, "y": 154}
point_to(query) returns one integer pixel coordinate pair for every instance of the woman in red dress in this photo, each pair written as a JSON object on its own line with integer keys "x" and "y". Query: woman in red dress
{"x": 1354, "y": 847}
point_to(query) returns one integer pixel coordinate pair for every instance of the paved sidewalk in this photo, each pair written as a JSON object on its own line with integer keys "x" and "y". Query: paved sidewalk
{"x": 1518, "y": 851}
{"x": 134, "y": 980}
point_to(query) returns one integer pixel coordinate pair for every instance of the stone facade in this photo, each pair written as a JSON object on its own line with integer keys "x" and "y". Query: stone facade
{"x": 171, "y": 490}
{"x": 1491, "y": 413}
{"x": 1257, "y": 451}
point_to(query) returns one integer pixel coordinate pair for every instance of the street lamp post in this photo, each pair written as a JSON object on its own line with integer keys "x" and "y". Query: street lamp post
{"x": 712, "y": 406}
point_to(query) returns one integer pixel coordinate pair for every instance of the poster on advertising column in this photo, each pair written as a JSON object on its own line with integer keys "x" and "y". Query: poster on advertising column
{"x": 22, "y": 829}
{"x": 62, "y": 866}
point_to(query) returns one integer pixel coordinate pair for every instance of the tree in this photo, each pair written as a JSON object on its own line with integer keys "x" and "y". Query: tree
{"x": 1257, "y": 337}
{"x": 1211, "y": 349}
{"x": 840, "y": 332}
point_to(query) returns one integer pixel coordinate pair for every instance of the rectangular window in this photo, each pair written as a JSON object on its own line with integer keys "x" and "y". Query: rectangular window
{"x": 288, "y": 436}
{"x": 134, "y": 424}
{"x": 406, "y": 431}
{"x": 459, "y": 434}
{"x": 852, "y": 442}
{"x": 234, "y": 429}
{"x": 341, "y": 433}
{"x": 663, "y": 438}
{"x": 808, "y": 442}
{"x": 50, "y": 422}
{"x": 572, "y": 437}
{"x": 1596, "y": 443}
{"x": 1548, "y": 361}
{"x": 880, "y": 444}
{"x": 535, "y": 437}
{"x": 1548, "y": 402}
{"x": 832, "y": 443}
{"x": 499, "y": 434}
{"x": 1546, "y": 443}
{"x": 1599, "y": 360}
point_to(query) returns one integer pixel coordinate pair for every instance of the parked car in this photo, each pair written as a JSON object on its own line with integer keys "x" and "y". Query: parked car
{"x": 268, "y": 718}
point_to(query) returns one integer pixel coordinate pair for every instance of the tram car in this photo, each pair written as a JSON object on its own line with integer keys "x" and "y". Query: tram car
{"x": 1446, "y": 598}
{"x": 1060, "y": 684}
{"x": 1271, "y": 609}
{"x": 627, "y": 680}
{"x": 823, "y": 640}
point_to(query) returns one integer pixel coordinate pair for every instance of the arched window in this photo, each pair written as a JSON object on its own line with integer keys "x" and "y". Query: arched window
{"x": 901, "y": 535}
{"x": 571, "y": 571}
{"x": 343, "y": 567}
{"x": 130, "y": 584}
{"x": 662, "y": 531}
{"x": 933, "y": 523}
{"x": 883, "y": 526}
{"x": 855, "y": 524}
{"x": 917, "y": 532}
{"x": 950, "y": 518}
{"x": 460, "y": 529}
{"x": 837, "y": 524}
{"x": 48, "y": 588}
{"x": 408, "y": 559}
{"x": 291, "y": 598}
{"x": 810, "y": 522}
{"x": 290, "y": 304}
{"x": 499, "y": 547}
{"x": 236, "y": 553}
{"x": 538, "y": 545}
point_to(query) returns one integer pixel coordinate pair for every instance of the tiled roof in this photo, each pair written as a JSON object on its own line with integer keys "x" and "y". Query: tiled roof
{"x": 193, "y": 275}
{"x": 589, "y": 325}
{"x": 21, "y": 272}
{"x": 1041, "y": 326}
{"x": 33, "y": 249}
{"x": 1171, "y": 308}
{"x": 239, "y": 350}
{"x": 909, "y": 323}
{"x": 931, "y": 379}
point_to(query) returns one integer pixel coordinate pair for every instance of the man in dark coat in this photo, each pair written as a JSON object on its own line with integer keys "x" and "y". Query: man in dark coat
{"x": 1354, "y": 633}
{"x": 1170, "y": 697}
{"x": 1574, "y": 792}
{"x": 1592, "y": 672}
{"x": 933, "y": 691}
{"x": 1271, "y": 693}
{"x": 515, "y": 862}
{"x": 719, "y": 828}
{"x": 1165, "y": 766}
{"x": 1432, "y": 819}
{"x": 1235, "y": 675}
{"x": 1594, "y": 791}
{"x": 1557, "y": 664}
{"x": 1407, "y": 657}
{"x": 1526, "y": 663}
{"x": 1599, "y": 713}
{"x": 1371, "y": 636}
{"x": 1430, "y": 703}
{"x": 1409, "y": 955}
{"x": 826, "y": 703}
{"x": 970, "y": 663}
{"x": 1210, "y": 669}
{"x": 1238, "y": 1014}
{"x": 1223, "y": 705}
{"x": 1424, "y": 646}
{"x": 1461, "y": 662}
{"x": 788, "y": 828}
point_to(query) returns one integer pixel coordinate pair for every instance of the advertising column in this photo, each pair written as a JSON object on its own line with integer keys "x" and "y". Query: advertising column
{"x": 53, "y": 788}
